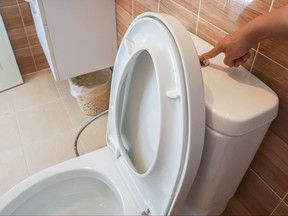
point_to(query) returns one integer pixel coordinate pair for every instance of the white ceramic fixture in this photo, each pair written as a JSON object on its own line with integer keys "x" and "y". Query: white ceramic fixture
{"x": 156, "y": 161}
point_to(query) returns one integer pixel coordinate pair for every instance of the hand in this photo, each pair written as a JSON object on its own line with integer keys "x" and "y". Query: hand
{"x": 236, "y": 48}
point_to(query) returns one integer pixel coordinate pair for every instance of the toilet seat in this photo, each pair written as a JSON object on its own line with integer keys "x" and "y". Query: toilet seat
{"x": 156, "y": 94}
{"x": 156, "y": 101}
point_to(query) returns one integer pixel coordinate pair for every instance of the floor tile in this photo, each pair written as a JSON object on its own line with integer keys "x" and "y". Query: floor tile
{"x": 46, "y": 153}
{"x": 6, "y": 105}
{"x": 38, "y": 89}
{"x": 13, "y": 169}
{"x": 94, "y": 136}
{"x": 43, "y": 122}
{"x": 78, "y": 119}
{"x": 63, "y": 88}
{"x": 9, "y": 133}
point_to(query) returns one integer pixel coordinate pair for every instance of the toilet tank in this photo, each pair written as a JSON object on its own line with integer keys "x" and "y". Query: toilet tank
{"x": 239, "y": 110}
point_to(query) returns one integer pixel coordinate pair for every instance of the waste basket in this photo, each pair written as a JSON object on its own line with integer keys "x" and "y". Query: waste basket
{"x": 92, "y": 91}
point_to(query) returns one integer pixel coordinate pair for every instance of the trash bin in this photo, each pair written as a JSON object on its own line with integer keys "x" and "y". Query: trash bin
{"x": 92, "y": 91}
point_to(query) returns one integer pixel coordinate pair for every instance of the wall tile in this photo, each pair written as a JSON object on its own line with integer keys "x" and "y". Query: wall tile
{"x": 26, "y": 14}
{"x": 25, "y": 60}
{"x": 191, "y": 5}
{"x": 278, "y": 3}
{"x": 230, "y": 15}
{"x": 279, "y": 125}
{"x": 273, "y": 75}
{"x": 22, "y": 34}
{"x": 32, "y": 35}
{"x": 4, "y": 3}
{"x": 11, "y": 17}
{"x": 39, "y": 57}
{"x": 282, "y": 210}
{"x": 209, "y": 33}
{"x": 141, "y": 6}
{"x": 126, "y": 5}
{"x": 18, "y": 38}
{"x": 271, "y": 163}
{"x": 235, "y": 207}
{"x": 256, "y": 196}
{"x": 276, "y": 49}
{"x": 188, "y": 19}
{"x": 123, "y": 19}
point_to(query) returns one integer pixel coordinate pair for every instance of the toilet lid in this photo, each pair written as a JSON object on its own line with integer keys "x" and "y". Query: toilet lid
{"x": 156, "y": 118}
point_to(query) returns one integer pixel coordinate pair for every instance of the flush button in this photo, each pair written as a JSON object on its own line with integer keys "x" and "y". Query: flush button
{"x": 205, "y": 63}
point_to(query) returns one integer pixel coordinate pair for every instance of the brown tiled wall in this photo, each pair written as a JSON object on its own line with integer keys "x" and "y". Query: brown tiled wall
{"x": 264, "y": 188}
{"x": 21, "y": 31}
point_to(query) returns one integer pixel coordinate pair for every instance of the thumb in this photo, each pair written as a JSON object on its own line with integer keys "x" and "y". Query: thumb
{"x": 211, "y": 54}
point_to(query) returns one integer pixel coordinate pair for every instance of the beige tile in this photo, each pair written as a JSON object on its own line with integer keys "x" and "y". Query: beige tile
{"x": 38, "y": 88}
{"x": 48, "y": 152}
{"x": 94, "y": 136}
{"x": 43, "y": 122}
{"x": 9, "y": 133}
{"x": 78, "y": 119}
{"x": 63, "y": 88}
{"x": 188, "y": 19}
{"x": 13, "y": 169}
{"x": 6, "y": 105}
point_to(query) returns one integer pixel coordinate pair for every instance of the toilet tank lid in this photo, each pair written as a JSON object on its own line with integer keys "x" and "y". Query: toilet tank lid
{"x": 237, "y": 102}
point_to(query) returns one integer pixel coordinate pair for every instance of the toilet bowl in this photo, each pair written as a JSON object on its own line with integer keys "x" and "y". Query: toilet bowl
{"x": 156, "y": 161}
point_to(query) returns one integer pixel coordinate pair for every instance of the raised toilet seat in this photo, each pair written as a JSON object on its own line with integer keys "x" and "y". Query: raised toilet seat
{"x": 155, "y": 135}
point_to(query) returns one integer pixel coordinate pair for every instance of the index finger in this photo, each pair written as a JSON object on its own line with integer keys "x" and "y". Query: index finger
{"x": 211, "y": 54}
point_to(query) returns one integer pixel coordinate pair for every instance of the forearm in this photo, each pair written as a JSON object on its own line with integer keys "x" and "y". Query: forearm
{"x": 268, "y": 25}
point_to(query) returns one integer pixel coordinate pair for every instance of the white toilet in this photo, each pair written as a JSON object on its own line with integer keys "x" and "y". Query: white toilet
{"x": 153, "y": 162}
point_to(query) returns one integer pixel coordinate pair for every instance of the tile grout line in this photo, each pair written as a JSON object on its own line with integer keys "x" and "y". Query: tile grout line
{"x": 21, "y": 138}
{"x": 265, "y": 183}
{"x": 173, "y": 2}
{"x": 281, "y": 199}
{"x": 198, "y": 16}
{"x": 272, "y": 60}
{"x": 26, "y": 34}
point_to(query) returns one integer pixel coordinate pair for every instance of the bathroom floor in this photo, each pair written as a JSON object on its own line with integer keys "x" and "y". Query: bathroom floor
{"x": 38, "y": 124}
